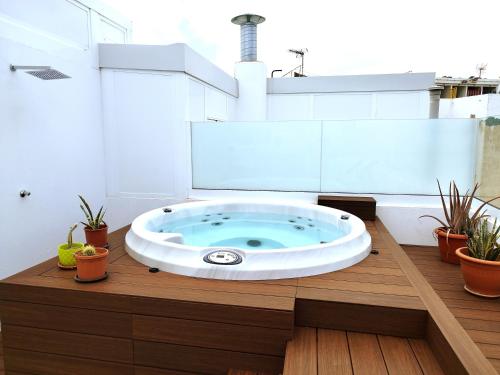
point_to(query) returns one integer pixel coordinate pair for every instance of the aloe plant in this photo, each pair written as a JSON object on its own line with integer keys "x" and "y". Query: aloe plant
{"x": 93, "y": 223}
{"x": 70, "y": 235}
{"x": 458, "y": 217}
{"x": 484, "y": 243}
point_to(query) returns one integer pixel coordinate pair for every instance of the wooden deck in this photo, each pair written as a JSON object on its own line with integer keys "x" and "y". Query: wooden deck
{"x": 479, "y": 316}
{"x": 137, "y": 322}
{"x": 325, "y": 352}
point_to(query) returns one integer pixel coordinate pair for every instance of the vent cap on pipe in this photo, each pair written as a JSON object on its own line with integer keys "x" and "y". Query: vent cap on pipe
{"x": 248, "y": 34}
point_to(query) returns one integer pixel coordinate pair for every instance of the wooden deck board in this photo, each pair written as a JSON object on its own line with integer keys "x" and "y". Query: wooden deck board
{"x": 480, "y": 317}
{"x": 362, "y": 304}
{"x": 332, "y": 352}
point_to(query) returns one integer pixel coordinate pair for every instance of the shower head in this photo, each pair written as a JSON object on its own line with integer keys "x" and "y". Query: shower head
{"x": 42, "y": 72}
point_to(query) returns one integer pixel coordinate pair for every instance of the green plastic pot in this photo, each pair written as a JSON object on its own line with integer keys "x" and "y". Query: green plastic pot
{"x": 66, "y": 256}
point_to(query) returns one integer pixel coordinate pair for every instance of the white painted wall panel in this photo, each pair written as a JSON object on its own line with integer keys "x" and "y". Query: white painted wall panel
{"x": 342, "y": 106}
{"x": 215, "y": 104}
{"x": 400, "y": 105}
{"x": 64, "y": 18}
{"x": 140, "y": 134}
{"x": 289, "y": 107}
{"x": 51, "y": 131}
{"x": 196, "y": 101}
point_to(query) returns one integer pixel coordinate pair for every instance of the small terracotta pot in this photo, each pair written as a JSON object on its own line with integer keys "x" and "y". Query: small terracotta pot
{"x": 97, "y": 237}
{"x": 92, "y": 267}
{"x": 482, "y": 277}
{"x": 449, "y": 243}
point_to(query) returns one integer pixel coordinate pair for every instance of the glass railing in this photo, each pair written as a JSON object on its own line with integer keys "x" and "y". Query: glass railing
{"x": 488, "y": 160}
{"x": 351, "y": 156}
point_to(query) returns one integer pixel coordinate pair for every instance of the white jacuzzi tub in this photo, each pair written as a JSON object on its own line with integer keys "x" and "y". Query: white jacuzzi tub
{"x": 247, "y": 240}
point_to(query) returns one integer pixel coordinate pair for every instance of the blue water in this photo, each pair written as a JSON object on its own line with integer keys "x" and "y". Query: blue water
{"x": 252, "y": 231}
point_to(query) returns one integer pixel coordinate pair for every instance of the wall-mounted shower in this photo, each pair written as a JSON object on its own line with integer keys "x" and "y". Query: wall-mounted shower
{"x": 39, "y": 71}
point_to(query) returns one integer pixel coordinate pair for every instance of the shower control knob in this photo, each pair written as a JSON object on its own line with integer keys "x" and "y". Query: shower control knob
{"x": 24, "y": 193}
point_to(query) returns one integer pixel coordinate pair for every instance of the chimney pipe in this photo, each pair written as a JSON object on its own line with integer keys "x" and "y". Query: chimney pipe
{"x": 248, "y": 34}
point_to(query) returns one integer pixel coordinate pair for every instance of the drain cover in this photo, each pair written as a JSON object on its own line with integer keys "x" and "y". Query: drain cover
{"x": 223, "y": 257}
{"x": 254, "y": 243}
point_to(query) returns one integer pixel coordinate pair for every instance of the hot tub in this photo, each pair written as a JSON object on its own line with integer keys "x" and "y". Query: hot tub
{"x": 247, "y": 240}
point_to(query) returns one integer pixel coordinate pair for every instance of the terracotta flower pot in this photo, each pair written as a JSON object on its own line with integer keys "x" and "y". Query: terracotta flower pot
{"x": 97, "y": 237}
{"x": 482, "y": 277}
{"x": 92, "y": 267}
{"x": 448, "y": 244}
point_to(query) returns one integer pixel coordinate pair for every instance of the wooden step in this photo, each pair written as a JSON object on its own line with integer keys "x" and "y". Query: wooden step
{"x": 362, "y": 207}
{"x": 315, "y": 351}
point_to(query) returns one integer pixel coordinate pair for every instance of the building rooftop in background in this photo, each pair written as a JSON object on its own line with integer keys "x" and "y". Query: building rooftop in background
{"x": 457, "y": 87}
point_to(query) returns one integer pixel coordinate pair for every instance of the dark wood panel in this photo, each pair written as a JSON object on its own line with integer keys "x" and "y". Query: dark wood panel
{"x": 362, "y": 207}
{"x": 361, "y": 318}
{"x": 263, "y": 340}
{"x": 68, "y": 343}
{"x": 95, "y": 322}
{"x": 52, "y": 364}
{"x": 302, "y": 353}
{"x": 139, "y": 370}
{"x": 443, "y": 351}
{"x": 202, "y": 360}
{"x": 366, "y": 355}
{"x": 428, "y": 363}
{"x": 262, "y": 317}
{"x": 65, "y": 297}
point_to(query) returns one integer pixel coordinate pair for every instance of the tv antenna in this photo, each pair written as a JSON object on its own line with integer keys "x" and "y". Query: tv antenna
{"x": 481, "y": 68}
{"x": 300, "y": 53}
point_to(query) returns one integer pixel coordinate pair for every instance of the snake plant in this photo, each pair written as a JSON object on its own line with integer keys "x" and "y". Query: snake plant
{"x": 92, "y": 223}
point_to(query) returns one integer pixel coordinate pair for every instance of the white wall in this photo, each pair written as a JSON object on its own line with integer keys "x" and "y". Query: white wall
{"x": 480, "y": 105}
{"x": 147, "y": 118}
{"x": 50, "y": 131}
{"x": 348, "y": 105}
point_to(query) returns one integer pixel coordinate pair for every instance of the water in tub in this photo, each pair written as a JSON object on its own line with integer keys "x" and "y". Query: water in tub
{"x": 258, "y": 231}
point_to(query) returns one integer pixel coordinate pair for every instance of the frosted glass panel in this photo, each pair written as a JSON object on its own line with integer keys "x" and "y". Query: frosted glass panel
{"x": 397, "y": 156}
{"x": 352, "y": 156}
{"x": 257, "y": 156}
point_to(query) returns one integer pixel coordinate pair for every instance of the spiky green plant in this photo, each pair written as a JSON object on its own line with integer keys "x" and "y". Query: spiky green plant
{"x": 458, "y": 217}
{"x": 484, "y": 243}
{"x": 89, "y": 250}
{"x": 70, "y": 235}
{"x": 92, "y": 222}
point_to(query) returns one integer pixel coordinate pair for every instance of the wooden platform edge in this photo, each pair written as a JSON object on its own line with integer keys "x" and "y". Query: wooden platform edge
{"x": 450, "y": 343}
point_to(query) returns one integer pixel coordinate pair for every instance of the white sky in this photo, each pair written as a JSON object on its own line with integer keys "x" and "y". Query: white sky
{"x": 343, "y": 37}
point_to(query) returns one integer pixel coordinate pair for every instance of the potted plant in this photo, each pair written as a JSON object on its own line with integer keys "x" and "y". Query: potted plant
{"x": 67, "y": 250}
{"x": 459, "y": 222}
{"x": 96, "y": 230}
{"x": 91, "y": 263}
{"x": 480, "y": 261}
